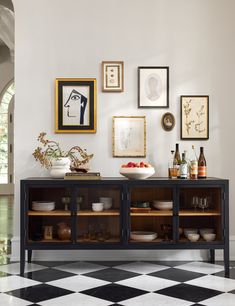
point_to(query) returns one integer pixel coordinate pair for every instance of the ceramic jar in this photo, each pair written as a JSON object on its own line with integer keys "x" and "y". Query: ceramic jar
{"x": 59, "y": 167}
{"x": 64, "y": 231}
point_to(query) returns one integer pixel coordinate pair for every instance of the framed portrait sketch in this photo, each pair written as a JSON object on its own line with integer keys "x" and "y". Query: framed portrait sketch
{"x": 153, "y": 87}
{"x": 75, "y": 105}
{"x": 113, "y": 76}
{"x": 194, "y": 117}
{"x": 129, "y": 136}
{"x": 168, "y": 122}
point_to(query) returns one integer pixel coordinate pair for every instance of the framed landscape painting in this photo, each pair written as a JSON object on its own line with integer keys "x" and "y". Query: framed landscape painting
{"x": 153, "y": 87}
{"x": 129, "y": 136}
{"x": 195, "y": 117}
{"x": 75, "y": 105}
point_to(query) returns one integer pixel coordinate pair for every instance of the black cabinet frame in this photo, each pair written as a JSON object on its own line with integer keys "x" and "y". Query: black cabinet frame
{"x": 125, "y": 187}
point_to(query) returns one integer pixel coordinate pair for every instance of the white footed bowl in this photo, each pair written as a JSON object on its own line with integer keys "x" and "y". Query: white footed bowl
{"x": 188, "y": 231}
{"x": 193, "y": 237}
{"x": 97, "y": 206}
{"x": 143, "y": 236}
{"x": 209, "y": 237}
{"x": 163, "y": 205}
{"x": 137, "y": 173}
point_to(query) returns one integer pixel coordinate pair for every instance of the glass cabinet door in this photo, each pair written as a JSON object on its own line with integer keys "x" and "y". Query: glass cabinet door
{"x": 151, "y": 214}
{"x": 200, "y": 215}
{"x": 49, "y": 215}
{"x": 98, "y": 214}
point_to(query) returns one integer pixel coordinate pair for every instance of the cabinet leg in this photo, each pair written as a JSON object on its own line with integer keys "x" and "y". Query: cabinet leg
{"x": 29, "y": 256}
{"x": 226, "y": 262}
{"x": 22, "y": 261}
{"x": 212, "y": 256}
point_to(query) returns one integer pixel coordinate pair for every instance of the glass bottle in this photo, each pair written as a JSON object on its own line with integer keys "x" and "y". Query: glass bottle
{"x": 177, "y": 157}
{"x": 183, "y": 168}
{"x": 172, "y": 166}
{"x": 202, "y": 169}
{"x": 193, "y": 165}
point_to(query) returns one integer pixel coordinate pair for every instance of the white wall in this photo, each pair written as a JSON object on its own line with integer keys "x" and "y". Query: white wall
{"x": 70, "y": 38}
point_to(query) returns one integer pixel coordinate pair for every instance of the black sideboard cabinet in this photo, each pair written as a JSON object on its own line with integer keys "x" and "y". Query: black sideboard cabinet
{"x": 110, "y": 229}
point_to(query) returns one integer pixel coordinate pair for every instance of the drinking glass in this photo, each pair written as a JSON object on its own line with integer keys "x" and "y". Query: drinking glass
{"x": 195, "y": 202}
{"x": 203, "y": 204}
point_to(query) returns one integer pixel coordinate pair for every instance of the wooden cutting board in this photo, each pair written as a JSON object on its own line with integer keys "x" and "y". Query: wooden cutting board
{"x": 140, "y": 210}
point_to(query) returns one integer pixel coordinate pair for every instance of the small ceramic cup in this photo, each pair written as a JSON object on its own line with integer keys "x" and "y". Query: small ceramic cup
{"x": 97, "y": 206}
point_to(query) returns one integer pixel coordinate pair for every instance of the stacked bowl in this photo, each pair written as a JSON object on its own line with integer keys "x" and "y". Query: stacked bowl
{"x": 43, "y": 205}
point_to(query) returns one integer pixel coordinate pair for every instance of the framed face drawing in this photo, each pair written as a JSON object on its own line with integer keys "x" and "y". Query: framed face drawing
{"x": 129, "y": 136}
{"x": 75, "y": 105}
{"x": 113, "y": 76}
{"x": 195, "y": 117}
{"x": 168, "y": 122}
{"x": 153, "y": 87}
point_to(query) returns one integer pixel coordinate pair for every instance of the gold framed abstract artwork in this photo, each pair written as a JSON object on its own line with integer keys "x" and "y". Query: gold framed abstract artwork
{"x": 75, "y": 105}
{"x": 112, "y": 76}
{"x": 195, "y": 117}
{"x": 129, "y": 136}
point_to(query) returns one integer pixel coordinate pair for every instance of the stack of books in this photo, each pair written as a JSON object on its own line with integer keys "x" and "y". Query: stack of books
{"x": 82, "y": 176}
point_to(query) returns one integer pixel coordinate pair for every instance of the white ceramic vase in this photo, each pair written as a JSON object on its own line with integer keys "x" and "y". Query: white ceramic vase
{"x": 59, "y": 167}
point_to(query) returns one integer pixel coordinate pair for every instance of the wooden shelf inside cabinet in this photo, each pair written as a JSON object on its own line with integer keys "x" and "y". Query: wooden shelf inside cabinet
{"x": 193, "y": 213}
{"x": 158, "y": 240}
{"x": 153, "y": 213}
{"x": 49, "y": 241}
{"x": 52, "y": 213}
{"x": 200, "y": 240}
{"x": 91, "y": 213}
{"x": 111, "y": 240}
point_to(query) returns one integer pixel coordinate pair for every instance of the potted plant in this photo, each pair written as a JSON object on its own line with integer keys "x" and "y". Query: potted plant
{"x": 51, "y": 156}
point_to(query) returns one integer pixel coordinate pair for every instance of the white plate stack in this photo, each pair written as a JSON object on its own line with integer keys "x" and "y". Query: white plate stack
{"x": 43, "y": 205}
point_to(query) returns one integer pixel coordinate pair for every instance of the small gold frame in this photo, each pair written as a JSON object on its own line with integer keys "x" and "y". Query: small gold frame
{"x": 118, "y": 152}
{"x": 91, "y": 83}
{"x": 119, "y": 65}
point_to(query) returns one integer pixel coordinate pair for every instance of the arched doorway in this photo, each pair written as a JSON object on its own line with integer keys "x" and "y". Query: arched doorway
{"x": 6, "y": 139}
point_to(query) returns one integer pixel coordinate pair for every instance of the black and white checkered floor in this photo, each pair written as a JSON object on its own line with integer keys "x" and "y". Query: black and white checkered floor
{"x": 117, "y": 283}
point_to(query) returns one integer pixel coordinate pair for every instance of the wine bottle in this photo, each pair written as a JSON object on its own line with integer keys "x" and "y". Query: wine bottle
{"x": 183, "y": 168}
{"x": 194, "y": 165}
{"x": 177, "y": 157}
{"x": 202, "y": 165}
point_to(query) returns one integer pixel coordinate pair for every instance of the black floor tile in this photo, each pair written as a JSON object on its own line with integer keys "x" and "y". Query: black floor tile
{"x": 47, "y": 275}
{"x": 177, "y": 274}
{"x": 189, "y": 293}
{"x": 114, "y": 292}
{"x": 169, "y": 263}
{"x": 51, "y": 264}
{"x": 39, "y": 293}
{"x": 112, "y": 274}
{"x": 110, "y": 263}
{"x": 222, "y": 273}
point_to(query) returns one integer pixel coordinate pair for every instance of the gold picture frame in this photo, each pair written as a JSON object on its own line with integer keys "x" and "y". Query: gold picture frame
{"x": 75, "y": 105}
{"x": 129, "y": 136}
{"x": 112, "y": 76}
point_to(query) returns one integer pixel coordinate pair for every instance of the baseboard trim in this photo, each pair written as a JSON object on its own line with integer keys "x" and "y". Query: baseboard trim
{"x": 99, "y": 255}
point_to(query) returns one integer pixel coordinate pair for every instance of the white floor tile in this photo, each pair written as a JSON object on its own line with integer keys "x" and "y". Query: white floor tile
{"x": 141, "y": 267}
{"x": 8, "y": 300}
{"x": 214, "y": 282}
{"x": 14, "y": 282}
{"x": 154, "y": 299}
{"x": 80, "y": 267}
{"x": 225, "y": 299}
{"x": 75, "y": 299}
{"x": 201, "y": 267}
{"x": 78, "y": 283}
{"x": 14, "y": 268}
{"x": 147, "y": 282}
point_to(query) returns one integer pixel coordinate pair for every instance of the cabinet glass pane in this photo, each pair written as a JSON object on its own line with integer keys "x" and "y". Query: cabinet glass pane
{"x": 49, "y": 215}
{"x": 200, "y": 215}
{"x": 151, "y": 214}
{"x": 100, "y": 225}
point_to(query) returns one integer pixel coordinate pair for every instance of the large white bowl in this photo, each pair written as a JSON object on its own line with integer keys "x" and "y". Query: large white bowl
{"x": 143, "y": 236}
{"x": 206, "y": 231}
{"x": 43, "y": 205}
{"x": 137, "y": 173}
{"x": 163, "y": 205}
{"x": 209, "y": 236}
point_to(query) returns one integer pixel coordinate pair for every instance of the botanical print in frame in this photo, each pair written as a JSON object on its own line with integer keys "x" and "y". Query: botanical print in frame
{"x": 194, "y": 117}
{"x": 113, "y": 76}
{"x": 129, "y": 136}
{"x": 153, "y": 87}
{"x": 75, "y": 105}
